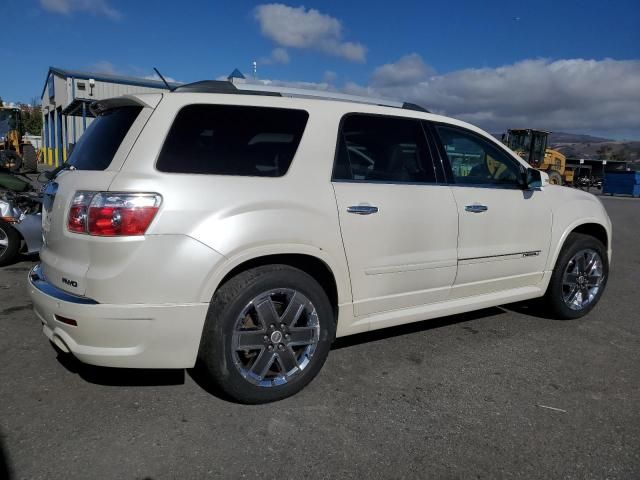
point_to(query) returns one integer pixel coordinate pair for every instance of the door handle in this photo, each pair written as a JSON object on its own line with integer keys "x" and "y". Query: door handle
{"x": 475, "y": 208}
{"x": 362, "y": 209}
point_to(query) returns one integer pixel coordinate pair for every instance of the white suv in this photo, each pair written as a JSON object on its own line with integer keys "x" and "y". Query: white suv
{"x": 249, "y": 227}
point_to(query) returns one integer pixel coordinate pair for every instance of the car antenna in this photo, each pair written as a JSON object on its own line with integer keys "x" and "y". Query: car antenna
{"x": 165, "y": 82}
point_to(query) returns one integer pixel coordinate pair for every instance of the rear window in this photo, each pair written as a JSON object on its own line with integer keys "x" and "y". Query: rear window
{"x": 98, "y": 145}
{"x": 232, "y": 140}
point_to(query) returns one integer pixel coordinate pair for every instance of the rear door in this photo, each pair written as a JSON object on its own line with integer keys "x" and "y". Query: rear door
{"x": 399, "y": 227}
{"x": 504, "y": 230}
{"x": 94, "y": 163}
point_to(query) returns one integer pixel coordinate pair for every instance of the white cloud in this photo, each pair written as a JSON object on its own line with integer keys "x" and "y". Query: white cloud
{"x": 155, "y": 76}
{"x": 278, "y": 56}
{"x": 291, "y": 84}
{"x": 329, "y": 76}
{"x": 306, "y": 29}
{"x": 409, "y": 70}
{"x": 562, "y": 95}
{"x": 103, "y": 66}
{"x": 94, "y": 7}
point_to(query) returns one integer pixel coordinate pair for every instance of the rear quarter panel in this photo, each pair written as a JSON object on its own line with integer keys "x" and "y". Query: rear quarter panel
{"x": 245, "y": 217}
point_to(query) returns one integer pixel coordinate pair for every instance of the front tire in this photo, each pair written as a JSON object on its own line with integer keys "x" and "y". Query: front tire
{"x": 9, "y": 243}
{"x": 267, "y": 334}
{"x": 579, "y": 277}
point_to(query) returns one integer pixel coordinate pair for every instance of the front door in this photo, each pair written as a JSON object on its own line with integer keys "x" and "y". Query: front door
{"x": 504, "y": 230}
{"x": 399, "y": 227}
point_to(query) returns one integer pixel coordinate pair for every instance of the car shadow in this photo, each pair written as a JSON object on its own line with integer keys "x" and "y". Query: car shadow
{"x": 200, "y": 377}
{"x": 120, "y": 377}
{"x": 157, "y": 377}
{"x": 23, "y": 261}
{"x": 530, "y": 308}
{"x": 408, "y": 328}
{"x": 6, "y": 471}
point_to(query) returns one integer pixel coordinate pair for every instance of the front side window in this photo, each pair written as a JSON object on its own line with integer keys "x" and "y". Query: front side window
{"x": 476, "y": 161}
{"x": 383, "y": 149}
{"x": 232, "y": 140}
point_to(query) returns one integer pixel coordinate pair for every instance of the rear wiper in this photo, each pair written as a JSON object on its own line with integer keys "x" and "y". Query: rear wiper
{"x": 51, "y": 174}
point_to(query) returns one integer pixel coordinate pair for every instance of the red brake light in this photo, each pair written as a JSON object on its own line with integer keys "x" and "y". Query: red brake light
{"x": 77, "y": 219}
{"x": 116, "y": 214}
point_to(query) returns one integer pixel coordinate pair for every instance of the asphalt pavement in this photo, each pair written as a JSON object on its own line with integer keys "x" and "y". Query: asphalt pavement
{"x": 498, "y": 393}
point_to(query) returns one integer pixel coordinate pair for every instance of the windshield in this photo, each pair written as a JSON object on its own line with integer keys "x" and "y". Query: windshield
{"x": 8, "y": 121}
{"x": 519, "y": 141}
{"x": 98, "y": 145}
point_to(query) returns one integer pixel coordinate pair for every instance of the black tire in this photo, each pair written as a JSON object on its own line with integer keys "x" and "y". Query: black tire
{"x": 554, "y": 177}
{"x": 29, "y": 158}
{"x": 217, "y": 355}
{"x": 553, "y": 300}
{"x": 9, "y": 252}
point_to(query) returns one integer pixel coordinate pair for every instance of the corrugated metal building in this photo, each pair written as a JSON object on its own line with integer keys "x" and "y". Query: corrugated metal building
{"x": 66, "y": 97}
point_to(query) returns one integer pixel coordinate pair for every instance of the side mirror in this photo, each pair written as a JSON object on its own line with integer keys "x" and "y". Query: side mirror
{"x": 533, "y": 179}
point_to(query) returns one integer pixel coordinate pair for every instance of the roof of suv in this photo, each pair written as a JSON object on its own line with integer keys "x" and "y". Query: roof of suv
{"x": 223, "y": 86}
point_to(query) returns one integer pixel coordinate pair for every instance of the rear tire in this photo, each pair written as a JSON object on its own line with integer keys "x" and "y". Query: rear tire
{"x": 267, "y": 334}
{"x": 29, "y": 158}
{"x": 576, "y": 285}
{"x": 9, "y": 243}
{"x": 554, "y": 177}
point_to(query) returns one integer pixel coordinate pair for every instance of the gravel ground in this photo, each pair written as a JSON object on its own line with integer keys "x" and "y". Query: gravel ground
{"x": 494, "y": 394}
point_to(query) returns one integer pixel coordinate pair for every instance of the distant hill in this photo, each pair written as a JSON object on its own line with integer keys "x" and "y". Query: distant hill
{"x": 576, "y": 146}
{"x": 561, "y": 137}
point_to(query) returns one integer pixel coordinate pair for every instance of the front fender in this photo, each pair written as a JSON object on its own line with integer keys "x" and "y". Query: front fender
{"x": 571, "y": 213}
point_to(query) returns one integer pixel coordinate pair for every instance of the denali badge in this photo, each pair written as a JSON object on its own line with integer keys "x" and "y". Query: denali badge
{"x": 71, "y": 283}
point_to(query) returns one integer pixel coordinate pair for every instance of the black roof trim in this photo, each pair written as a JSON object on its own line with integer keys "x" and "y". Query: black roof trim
{"x": 219, "y": 86}
{"x": 413, "y": 106}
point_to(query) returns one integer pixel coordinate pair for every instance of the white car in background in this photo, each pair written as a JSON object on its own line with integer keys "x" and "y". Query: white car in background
{"x": 248, "y": 227}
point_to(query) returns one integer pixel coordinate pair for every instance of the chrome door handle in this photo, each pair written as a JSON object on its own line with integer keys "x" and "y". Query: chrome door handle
{"x": 476, "y": 208}
{"x": 362, "y": 209}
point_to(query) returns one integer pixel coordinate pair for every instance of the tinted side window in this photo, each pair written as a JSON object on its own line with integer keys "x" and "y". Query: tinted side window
{"x": 98, "y": 145}
{"x": 477, "y": 161}
{"x": 387, "y": 149}
{"x": 232, "y": 140}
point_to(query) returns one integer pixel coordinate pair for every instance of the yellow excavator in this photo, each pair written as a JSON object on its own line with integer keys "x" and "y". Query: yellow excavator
{"x": 16, "y": 154}
{"x": 531, "y": 145}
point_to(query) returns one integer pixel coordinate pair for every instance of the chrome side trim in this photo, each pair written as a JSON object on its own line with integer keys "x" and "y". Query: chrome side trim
{"x": 410, "y": 267}
{"x": 534, "y": 253}
{"x": 37, "y": 280}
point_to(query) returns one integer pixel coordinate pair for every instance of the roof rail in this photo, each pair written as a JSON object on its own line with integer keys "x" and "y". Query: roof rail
{"x": 223, "y": 86}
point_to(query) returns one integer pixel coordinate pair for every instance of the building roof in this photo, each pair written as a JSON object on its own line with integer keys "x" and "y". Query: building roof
{"x": 107, "y": 77}
{"x": 236, "y": 74}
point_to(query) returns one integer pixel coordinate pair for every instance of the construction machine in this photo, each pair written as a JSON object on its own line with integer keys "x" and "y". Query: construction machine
{"x": 16, "y": 154}
{"x": 531, "y": 145}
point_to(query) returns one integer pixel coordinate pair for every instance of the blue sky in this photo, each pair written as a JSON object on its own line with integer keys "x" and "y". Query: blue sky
{"x": 401, "y": 48}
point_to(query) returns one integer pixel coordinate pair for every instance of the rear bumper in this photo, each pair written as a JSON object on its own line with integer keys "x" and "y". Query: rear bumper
{"x": 132, "y": 336}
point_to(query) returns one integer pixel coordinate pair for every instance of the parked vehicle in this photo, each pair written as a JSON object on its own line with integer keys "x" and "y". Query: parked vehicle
{"x": 20, "y": 224}
{"x": 16, "y": 152}
{"x": 531, "y": 145}
{"x": 249, "y": 226}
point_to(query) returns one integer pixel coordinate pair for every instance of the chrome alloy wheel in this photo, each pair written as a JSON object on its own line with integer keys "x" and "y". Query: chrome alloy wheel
{"x": 4, "y": 241}
{"x": 582, "y": 279}
{"x": 275, "y": 337}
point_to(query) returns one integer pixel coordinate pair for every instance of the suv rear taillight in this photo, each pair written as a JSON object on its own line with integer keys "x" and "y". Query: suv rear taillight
{"x": 110, "y": 214}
